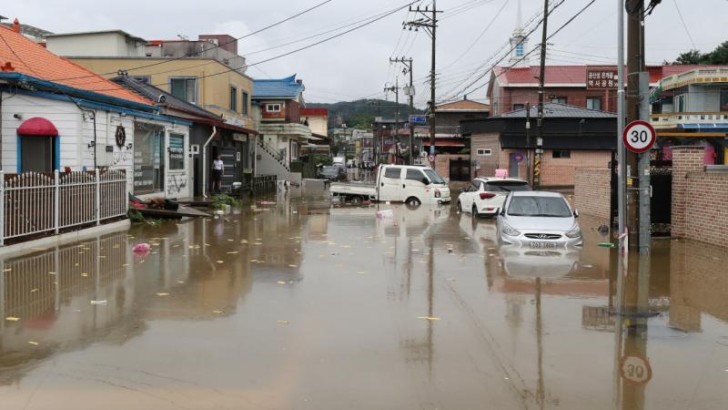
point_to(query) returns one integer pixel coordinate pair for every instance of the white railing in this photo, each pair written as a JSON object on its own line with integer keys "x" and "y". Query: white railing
{"x": 672, "y": 119}
{"x": 698, "y": 75}
{"x": 33, "y": 202}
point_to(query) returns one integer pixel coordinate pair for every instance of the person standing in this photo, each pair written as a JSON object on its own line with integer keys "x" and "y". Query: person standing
{"x": 217, "y": 168}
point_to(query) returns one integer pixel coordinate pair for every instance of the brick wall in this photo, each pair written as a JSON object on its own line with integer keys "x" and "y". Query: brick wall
{"x": 488, "y": 163}
{"x": 561, "y": 171}
{"x": 592, "y": 191}
{"x": 699, "y": 198}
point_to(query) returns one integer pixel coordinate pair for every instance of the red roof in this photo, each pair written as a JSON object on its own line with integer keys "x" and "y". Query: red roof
{"x": 22, "y": 55}
{"x": 573, "y": 74}
{"x": 322, "y": 112}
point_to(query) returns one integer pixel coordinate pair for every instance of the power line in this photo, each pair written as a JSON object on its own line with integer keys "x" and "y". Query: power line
{"x": 682, "y": 20}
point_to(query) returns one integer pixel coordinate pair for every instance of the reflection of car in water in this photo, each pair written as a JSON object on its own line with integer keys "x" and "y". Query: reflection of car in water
{"x": 520, "y": 262}
{"x": 399, "y": 220}
{"x": 333, "y": 173}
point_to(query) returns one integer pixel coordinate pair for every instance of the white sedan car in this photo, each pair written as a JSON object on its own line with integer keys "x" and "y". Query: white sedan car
{"x": 485, "y": 195}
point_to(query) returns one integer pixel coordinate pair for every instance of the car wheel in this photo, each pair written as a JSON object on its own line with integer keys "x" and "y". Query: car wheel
{"x": 412, "y": 201}
{"x": 460, "y": 207}
{"x": 475, "y": 211}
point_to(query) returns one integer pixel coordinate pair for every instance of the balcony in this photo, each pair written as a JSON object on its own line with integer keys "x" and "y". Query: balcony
{"x": 706, "y": 121}
{"x": 698, "y": 76}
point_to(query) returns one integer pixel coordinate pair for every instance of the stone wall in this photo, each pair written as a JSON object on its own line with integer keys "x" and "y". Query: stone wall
{"x": 699, "y": 198}
{"x": 592, "y": 191}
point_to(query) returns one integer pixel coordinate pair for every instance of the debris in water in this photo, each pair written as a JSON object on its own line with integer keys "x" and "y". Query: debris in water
{"x": 162, "y": 294}
{"x": 428, "y": 318}
{"x": 282, "y": 322}
{"x": 12, "y": 319}
{"x": 99, "y": 302}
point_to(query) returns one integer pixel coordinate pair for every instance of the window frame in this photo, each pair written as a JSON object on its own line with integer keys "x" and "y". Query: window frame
{"x": 561, "y": 153}
{"x": 233, "y": 98}
{"x": 186, "y": 79}
{"x": 484, "y": 152}
{"x": 598, "y": 99}
{"x": 245, "y": 97}
{"x": 273, "y": 107}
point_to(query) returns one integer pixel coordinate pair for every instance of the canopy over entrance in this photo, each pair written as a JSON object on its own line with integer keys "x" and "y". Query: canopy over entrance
{"x": 37, "y": 126}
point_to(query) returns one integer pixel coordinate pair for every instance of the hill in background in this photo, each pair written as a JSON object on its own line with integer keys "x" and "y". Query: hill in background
{"x": 361, "y": 113}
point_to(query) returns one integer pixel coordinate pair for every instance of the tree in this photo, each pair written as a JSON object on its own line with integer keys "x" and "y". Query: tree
{"x": 717, "y": 56}
{"x": 692, "y": 57}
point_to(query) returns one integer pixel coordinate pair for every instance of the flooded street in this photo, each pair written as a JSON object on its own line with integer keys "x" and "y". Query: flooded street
{"x": 295, "y": 304}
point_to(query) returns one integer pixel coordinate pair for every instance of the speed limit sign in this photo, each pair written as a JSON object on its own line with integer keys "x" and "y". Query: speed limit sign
{"x": 635, "y": 369}
{"x": 639, "y": 136}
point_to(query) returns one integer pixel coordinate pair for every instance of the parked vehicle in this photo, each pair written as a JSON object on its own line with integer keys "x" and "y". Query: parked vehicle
{"x": 538, "y": 220}
{"x": 333, "y": 173}
{"x": 485, "y": 195}
{"x": 413, "y": 185}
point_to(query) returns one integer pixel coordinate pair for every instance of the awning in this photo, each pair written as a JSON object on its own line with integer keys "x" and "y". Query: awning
{"x": 37, "y": 126}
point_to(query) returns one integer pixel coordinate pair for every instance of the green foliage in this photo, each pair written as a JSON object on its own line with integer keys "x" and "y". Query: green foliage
{"x": 220, "y": 200}
{"x": 360, "y": 113}
{"x": 719, "y": 56}
{"x": 134, "y": 215}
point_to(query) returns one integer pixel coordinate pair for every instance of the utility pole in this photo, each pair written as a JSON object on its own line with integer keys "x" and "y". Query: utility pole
{"x": 395, "y": 88}
{"x": 428, "y": 21}
{"x": 529, "y": 166}
{"x": 541, "y": 80}
{"x": 410, "y": 92}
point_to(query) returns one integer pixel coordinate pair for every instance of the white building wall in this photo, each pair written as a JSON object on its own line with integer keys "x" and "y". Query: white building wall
{"x": 112, "y": 44}
{"x": 318, "y": 125}
{"x": 703, "y": 99}
{"x": 76, "y": 133}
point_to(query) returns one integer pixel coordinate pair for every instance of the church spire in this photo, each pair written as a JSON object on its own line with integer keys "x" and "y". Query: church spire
{"x": 518, "y": 42}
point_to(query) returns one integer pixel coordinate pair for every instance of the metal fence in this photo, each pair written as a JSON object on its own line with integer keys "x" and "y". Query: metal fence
{"x": 34, "y": 202}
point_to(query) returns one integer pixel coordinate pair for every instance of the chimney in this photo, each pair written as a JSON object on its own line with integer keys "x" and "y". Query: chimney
{"x": 16, "y": 25}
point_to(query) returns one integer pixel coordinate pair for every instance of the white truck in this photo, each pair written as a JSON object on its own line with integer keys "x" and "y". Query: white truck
{"x": 413, "y": 185}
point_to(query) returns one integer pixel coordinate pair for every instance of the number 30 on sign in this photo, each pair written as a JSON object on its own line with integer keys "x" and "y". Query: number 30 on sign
{"x": 635, "y": 369}
{"x": 639, "y": 136}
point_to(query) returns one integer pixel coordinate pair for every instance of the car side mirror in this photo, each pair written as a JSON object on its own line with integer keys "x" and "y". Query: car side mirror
{"x": 502, "y": 211}
{"x": 576, "y": 213}
{"x": 425, "y": 181}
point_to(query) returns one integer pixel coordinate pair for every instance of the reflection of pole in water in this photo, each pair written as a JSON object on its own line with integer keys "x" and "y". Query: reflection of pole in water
{"x": 430, "y": 302}
{"x": 540, "y": 393}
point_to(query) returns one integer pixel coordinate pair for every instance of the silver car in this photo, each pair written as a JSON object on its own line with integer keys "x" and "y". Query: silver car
{"x": 538, "y": 220}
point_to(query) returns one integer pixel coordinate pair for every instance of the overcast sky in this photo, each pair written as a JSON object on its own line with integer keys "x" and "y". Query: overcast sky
{"x": 471, "y": 36}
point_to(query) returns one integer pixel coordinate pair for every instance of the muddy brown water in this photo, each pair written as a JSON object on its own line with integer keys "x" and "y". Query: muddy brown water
{"x": 298, "y": 304}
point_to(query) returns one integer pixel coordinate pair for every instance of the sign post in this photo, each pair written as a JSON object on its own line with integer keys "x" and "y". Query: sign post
{"x": 639, "y": 136}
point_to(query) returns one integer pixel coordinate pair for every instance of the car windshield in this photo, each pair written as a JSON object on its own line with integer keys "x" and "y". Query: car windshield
{"x": 538, "y": 206}
{"x": 434, "y": 177}
{"x": 507, "y": 186}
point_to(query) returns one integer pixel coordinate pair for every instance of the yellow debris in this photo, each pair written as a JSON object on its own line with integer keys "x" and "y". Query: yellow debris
{"x": 428, "y": 318}
{"x": 282, "y": 322}
{"x": 84, "y": 274}
{"x": 32, "y": 342}
{"x": 220, "y": 261}
{"x": 12, "y": 319}
{"x": 162, "y": 294}
{"x": 280, "y": 282}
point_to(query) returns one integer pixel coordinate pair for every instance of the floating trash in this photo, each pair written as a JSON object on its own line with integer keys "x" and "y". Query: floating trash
{"x": 282, "y": 322}
{"x": 428, "y": 318}
{"x": 99, "y": 302}
{"x": 162, "y": 294}
{"x": 12, "y": 319}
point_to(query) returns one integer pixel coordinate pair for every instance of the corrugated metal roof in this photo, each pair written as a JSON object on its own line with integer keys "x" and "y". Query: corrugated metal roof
{"x": 556, "y": 110}
{"x": 287, "y": 87}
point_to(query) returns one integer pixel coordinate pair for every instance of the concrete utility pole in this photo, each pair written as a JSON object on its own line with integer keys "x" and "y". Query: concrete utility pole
{"x": 428, "y": 21}
{"x": 541, "y": 80}
{"x": 395, "y": 88}
{"x": 410, "y": 92}
{"x": 638, "y": 212}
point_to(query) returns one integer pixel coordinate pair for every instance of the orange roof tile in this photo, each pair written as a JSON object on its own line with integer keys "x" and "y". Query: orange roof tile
{"x": 32, "y": 59}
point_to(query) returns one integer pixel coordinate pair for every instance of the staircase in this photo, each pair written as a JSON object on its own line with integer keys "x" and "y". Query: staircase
{"x": 271, "y": 163}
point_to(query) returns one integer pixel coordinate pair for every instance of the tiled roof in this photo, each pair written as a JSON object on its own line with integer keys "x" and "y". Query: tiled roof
{"x": 572, "y": 74}
{"x": 287, "y": 87}
{"x": 31, "y": 59}
{"x": 153, "y": 93}
{"x": 556, "y": 110}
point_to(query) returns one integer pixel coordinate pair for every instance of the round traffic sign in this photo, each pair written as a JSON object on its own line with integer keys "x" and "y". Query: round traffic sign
{"x": 518, "y": 157}
{"x": 635, "y": 369}
{"x": 431, "y": 158}
{"x": 639, "y": 136}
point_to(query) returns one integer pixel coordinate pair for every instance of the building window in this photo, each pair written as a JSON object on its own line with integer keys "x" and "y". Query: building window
{"x": 245, "y": 103}
{"x": 233, "y": 99}
{"x": 519, "y": 50}
{"x": 518, "y": 107}
{"x": 559, "y": 100}
{"x": 724, "y": 100}
{"x": 484, "y": 151}
{"x": 176, "y": 151}
{"x": 561, "y": 153}
{"x": 273, "y": 108}
{"x": 594, "y": 103}
{"x": 184, "y": 88}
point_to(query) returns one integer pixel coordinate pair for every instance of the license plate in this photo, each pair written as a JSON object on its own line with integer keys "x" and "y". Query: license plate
{"x": 542, "y": 245}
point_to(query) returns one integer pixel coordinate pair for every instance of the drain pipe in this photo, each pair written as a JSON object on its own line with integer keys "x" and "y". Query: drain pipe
{"x": 204, "y": 162}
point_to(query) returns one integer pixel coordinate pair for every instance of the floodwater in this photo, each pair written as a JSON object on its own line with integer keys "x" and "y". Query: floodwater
{"x": 296, "y": 304}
